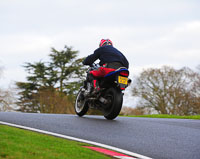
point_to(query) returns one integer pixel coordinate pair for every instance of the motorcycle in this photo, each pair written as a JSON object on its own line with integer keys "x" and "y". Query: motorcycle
{"x": 109, "y": 97}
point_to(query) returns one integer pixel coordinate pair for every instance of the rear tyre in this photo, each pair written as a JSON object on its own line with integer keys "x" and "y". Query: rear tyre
{"x": 115, "y": 98}
{"x": 81, "y": 106}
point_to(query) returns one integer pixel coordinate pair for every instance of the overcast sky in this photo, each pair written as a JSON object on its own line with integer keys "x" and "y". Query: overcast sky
{"x": 150, "y": 33}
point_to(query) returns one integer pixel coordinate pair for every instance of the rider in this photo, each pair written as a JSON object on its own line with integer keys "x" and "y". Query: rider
{"x": 110, "y": 60}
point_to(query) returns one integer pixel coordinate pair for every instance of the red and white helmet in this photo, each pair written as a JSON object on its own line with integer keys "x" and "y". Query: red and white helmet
{"x": 104, "y": 42}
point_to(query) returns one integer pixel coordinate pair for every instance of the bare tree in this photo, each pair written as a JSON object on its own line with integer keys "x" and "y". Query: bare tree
{"x": 3, "y": 96}
{"x": 196, "y": 91}
{"x": 7, "y": 99}
{"x": 166, "y": 90}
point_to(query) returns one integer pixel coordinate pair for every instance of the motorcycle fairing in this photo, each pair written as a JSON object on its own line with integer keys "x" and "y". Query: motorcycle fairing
{"x": 117, "y": 72}
{"x": 120, "y": 76}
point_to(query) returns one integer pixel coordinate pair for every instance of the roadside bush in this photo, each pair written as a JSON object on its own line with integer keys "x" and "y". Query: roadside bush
{"x": 132, "y": 111}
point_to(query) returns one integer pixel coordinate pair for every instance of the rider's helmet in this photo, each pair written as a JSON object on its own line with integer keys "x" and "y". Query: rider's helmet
{"x": 104, "y": 42}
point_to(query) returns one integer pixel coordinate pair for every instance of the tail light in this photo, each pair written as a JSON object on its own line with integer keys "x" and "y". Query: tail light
{"x": 124, "y": 73}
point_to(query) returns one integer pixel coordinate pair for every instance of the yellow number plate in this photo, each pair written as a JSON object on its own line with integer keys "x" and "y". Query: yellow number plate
{"x": 123, "y": 80}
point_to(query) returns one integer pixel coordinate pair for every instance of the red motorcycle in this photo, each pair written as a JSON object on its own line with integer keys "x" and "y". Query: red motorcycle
{"x": 109, "y": 97}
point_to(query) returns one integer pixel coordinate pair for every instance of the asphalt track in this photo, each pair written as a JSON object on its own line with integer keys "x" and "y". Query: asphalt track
{"x": 155, "y": 138}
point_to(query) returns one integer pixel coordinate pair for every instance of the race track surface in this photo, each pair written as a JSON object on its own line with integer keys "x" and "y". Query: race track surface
{"x": 155, "y": 138}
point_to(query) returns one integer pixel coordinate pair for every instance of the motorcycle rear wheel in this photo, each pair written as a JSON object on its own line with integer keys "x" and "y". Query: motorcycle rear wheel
{"x": 115, "y": 98}
{"x": 81, "y": 107}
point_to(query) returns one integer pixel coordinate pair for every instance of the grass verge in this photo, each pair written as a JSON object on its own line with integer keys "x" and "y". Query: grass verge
{"x": 166, "y": 116}
{"x": 16, "y": 143}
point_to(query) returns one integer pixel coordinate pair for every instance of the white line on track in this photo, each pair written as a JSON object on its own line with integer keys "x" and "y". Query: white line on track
{"x": 79, "y": 140}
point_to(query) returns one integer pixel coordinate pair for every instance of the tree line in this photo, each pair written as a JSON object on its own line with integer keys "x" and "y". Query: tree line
{"x": 168, "y": 90}
{"x": 52, "y": 85}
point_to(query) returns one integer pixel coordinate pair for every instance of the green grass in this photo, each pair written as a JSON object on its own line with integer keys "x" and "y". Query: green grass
{"x": 167, "y": 116}
{"x": 22, "y": 144}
